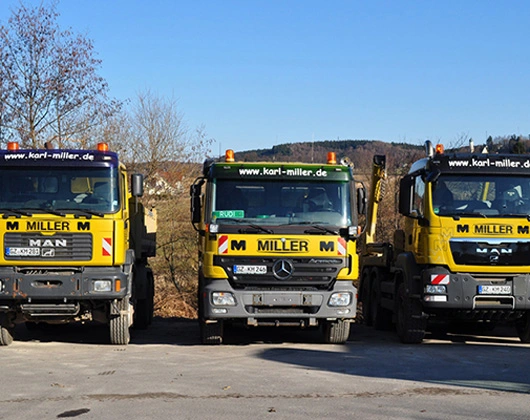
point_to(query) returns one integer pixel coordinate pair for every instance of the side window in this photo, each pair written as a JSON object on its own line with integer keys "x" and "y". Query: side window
{"x": 419, "y": 193}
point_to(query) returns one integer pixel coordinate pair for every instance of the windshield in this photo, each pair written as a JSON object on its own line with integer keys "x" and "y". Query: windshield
{"x": 484, "y": 195}
{"x": 279, "y": 203}
{"x": 48, "y": 190}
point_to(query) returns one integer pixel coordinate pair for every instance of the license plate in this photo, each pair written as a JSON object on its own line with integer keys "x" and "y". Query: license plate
{"x": 22, "y": 252}
{"x": 250, "y": 269}
{"x": 494, "y": 290}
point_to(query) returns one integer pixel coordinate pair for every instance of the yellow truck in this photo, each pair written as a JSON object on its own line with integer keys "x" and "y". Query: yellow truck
{"x": 75, "y": 241}
{"x": 277, "y": 245}
{"x": 462, "y": 256}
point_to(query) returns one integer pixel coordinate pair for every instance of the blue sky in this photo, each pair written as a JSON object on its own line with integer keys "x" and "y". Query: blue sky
{"x": 261, "y": 73}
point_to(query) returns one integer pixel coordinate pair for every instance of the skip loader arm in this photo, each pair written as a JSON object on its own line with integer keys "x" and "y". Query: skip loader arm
{"x": 375, "y": 196}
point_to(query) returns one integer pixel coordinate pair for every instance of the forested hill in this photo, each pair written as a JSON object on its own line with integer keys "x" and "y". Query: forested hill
{"x": 399, "y": 155}
{"x": 360, "y": 152}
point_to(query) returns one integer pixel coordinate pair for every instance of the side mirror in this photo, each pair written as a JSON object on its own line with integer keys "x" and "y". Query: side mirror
{"x": 406, "y": 188}
{"x": 433, "y": 175}
{"x": 195, "y": 203}
{"x": 362, "y": 202}
{"x": 137, "y": 185}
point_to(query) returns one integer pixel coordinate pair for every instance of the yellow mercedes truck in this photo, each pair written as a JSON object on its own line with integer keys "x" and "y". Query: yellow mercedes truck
{"x": 463, "y": 254}
{"x": 75, "y": 241}
{"x": 277, "y": 245}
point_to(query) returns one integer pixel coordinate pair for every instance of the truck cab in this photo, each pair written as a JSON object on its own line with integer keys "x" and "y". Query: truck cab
{"x": 461, "y": 256}
{"x": 277, "y": 246}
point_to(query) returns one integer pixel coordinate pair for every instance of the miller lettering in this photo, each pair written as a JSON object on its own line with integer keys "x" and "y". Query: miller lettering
{"x": 494, "y": 229}
{"x": 47, "y": 225}
{"x": 276, "y": 245}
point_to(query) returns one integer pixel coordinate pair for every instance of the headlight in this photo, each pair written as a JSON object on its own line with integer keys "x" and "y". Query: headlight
{"x": 223, "y": 299}
{"x": 435, "y": 298}
{"x": 340, "y": 299}
{"x": 102, "y": 285}
{"x": 435, "y": 289}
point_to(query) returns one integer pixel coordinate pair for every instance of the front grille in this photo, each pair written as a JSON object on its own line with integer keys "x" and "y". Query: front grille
{"x": 38, "y": 247}
{"x": 306, "y": 272}
{"x": 491, "y": 252}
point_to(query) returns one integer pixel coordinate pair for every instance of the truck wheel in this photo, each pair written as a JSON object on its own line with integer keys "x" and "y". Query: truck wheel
{"x": 336, "y": 332}
{"x": 367, "y": 317}
{"x": 381, "y": 318}
{"x": 119, "y": 324}
{"x": 411, "y": 324}
{"x": 211, "y": 333}
{"x": 143, "y": 312}
{"x": 522, "y": 326}
{"x": 6, "y": 338}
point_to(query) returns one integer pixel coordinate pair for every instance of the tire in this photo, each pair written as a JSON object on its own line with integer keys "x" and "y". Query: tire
{"x": 411, "y": 323}
{"x": 211, "y": 333}
{"x": 336, "y": 332}
{"x": 119, "y": 324}
{"x": 6, "y": 338}
{"x": 522, "y": 325}
{"x": 143, "y": 312}
{"x": 381, "y": 318}
{"x": 367, "y": 318}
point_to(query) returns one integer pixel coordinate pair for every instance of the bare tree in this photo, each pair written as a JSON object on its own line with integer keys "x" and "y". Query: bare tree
{"x": 49, "y": 86}
{"x": 153, "y": 138}
{"x": 160, "y": 139}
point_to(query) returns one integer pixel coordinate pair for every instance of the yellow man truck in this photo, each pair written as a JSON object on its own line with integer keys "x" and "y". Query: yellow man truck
{"x": 277, "y": 245}
{"x": 74, "y": 239}
{"x": 463, "y": 253}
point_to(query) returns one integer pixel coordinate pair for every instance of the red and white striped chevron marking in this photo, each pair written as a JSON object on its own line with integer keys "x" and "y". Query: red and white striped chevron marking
{"x": 222, "y": 244}
{"x": 106, "y": 247}
{"x": 341, "y": 246}
{"x": 439, "y": 278}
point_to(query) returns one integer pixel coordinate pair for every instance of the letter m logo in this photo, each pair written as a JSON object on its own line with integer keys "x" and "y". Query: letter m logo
{"x": 12, "y": 226}
{"x": 238, "y": 245}
{"x": 83, "y": 225}
{"x": 327, "y": 246}
{"x": 462, "y": 228}
{"x": 522, "y": 230}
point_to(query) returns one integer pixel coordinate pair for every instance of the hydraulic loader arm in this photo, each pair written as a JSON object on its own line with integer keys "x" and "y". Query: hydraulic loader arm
{"x": 375, "y": 195}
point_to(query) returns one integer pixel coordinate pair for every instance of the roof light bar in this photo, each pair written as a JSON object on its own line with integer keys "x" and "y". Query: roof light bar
{"x": 332, "y": 158}
{"x": 229, "y": 156}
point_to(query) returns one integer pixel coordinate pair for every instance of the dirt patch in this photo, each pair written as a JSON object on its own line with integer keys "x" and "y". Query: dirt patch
{"x": 170, "y": 303}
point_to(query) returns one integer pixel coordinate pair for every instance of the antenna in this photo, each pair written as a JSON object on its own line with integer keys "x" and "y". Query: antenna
{"x": 312, "y": 147}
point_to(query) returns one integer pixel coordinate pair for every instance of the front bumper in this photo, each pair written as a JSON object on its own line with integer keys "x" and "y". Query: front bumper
{"x": 62, "y": 283}
{"x": 463, "y": 291}
{"x": 278, "y": 307}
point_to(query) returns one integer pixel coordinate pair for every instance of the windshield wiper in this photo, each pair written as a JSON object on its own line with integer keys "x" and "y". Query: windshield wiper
{"x": 15, "y": 212}
{"x": 321, "y": 229}
{"x": 83, "y": 212}
{"x": 456, "y": 216}
{"x": 251, "y": 225}
{"x": 255, "y": 227}
{"x": 54, "y": 212}
{"x": 315, "y": 225}
{"x": 514, "y": 215}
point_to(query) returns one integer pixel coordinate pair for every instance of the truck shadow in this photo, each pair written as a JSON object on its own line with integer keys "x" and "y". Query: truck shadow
{"x": 496, "y": 362}
{"x": 162, "y": 331}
